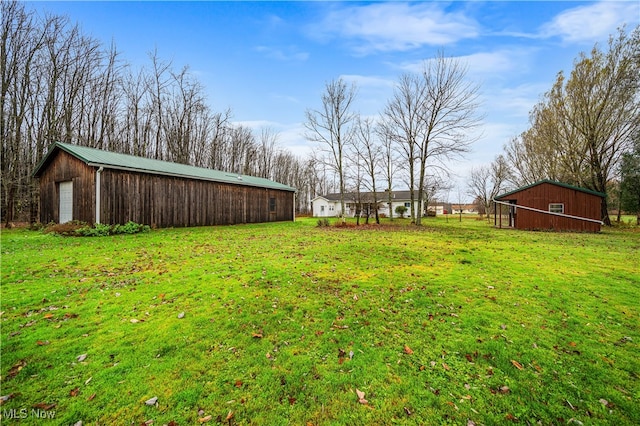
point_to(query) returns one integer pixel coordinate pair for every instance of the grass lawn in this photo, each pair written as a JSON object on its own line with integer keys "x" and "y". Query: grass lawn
{"x": 451, "y": 323}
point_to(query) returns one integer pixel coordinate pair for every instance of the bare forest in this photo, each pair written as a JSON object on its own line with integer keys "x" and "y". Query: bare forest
{"x": 60, "y": 85}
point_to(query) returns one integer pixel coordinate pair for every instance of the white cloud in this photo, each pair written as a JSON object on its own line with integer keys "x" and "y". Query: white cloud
{"x": 481, "y": 64}
{"x": 592, "y": 22}
{"x": 368, "y": 81}
{"x": 385, "y": 27}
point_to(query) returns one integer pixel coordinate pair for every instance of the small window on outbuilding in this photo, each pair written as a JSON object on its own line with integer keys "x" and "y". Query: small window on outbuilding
{"x": 272, "y": 204}
{"x": 556, "y": 208}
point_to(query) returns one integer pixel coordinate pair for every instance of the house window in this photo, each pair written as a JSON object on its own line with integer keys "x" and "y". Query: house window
{"x": 272, "y": 204}
{"x": 556, "y": 208}
{"x": 322, "y": 209}
{"x": 407, "y": 205}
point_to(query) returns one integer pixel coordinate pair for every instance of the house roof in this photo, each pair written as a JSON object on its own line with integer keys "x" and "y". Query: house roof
{"x": 552, "y": 182}
{"x": 368, "y": 196}
{"x": 111, "y": 160}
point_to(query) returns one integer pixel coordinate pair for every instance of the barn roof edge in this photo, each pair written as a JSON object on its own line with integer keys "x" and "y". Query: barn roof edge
{"x": 100, "y": 158}
{"x": 553, "y": 182}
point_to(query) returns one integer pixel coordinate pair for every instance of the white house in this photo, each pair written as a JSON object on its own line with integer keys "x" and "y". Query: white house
{"x": 329, "y": 205}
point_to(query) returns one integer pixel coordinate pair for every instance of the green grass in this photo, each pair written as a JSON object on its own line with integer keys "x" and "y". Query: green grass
{"x": 451, "y": 322}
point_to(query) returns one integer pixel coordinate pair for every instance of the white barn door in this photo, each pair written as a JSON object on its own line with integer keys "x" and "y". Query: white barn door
{"x": 66, "y": 202}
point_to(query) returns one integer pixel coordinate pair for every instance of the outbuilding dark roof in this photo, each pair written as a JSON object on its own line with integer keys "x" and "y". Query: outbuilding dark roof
{"x": 552, "y": 182}
{"x": 111, "y": 160}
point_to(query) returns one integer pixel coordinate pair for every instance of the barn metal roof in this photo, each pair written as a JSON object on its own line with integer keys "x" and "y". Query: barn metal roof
{"x": 111, "y": 160}
{"x": 552, "y": 182}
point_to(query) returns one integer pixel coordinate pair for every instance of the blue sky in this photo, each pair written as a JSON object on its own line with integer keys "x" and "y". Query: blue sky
{"x": 270, "y": 61}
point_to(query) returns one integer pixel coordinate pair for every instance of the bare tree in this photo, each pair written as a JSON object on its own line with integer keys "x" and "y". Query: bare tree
{"x": 402, "y": 122}
{"x": 389, "y": 163}
{"x": 330, "y": 127}
{"x": 268, "y": 142}
{"x": 449, "y": 114}
{"x": 369, "y": 153}
{"x": 487, "y": 182}
{"x": 432, "y": 116}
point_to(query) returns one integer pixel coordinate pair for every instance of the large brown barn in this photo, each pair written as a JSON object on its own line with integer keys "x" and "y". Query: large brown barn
{"x": 550, "y": 205}
{"x": 96, "y": 186}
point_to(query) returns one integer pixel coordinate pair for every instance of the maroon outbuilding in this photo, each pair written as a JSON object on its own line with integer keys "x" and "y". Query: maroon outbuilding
{"x": 550, "y": 205}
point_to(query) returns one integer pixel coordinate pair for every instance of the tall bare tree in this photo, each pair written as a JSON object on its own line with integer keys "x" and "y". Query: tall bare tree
{"x": 402, "y": 124}
{"x": 330, "y": 127}
{"x": 369, "y": 152}
{"x": 433, "y": 117}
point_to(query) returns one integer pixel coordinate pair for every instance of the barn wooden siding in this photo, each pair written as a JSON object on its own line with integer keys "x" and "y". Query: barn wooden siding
{"x": 157, "y": 200}
{"x": 165, "y": 201}
{"x": 576, "y": 203}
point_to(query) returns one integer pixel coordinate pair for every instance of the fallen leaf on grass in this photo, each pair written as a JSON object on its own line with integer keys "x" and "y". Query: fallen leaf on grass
{"x": 407, "y": 350}
{"x": 74, "y": 392}
{"x": 606, "y": 403}
{"x": 517, "y": 365}
{"x": 81, "y": 358}
{"x": 361, "y": 399}
{"x": 238, "y": 383}
{"x": 446, "y": 367}
{"x": 181, "y": 315}
{"x": 229, "y": 415}
{"x": 5, "y": 398}
{"x": 205, "y": 418}
{"x": 17, "y": 367}
{"x": 152, "y": 401}
{"x": 44, "y": 406}
{"x": 257, "y": 335}
{"x": 406, "y": 410}
{"x": 48, "y": 316}
{"x": 42, "y": 342}
{"x": 91, "y": 397}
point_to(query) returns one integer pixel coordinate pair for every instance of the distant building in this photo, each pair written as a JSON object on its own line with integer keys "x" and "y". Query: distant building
{"x": 96, "y": 186}
{"x": 550, "y": 205}
{"x": 329, "y": 205}
{"x": 464, "y": 208}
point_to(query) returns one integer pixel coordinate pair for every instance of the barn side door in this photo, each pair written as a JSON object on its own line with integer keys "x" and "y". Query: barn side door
{"x": 272, "y": 208}
{"x": 66, "y": 202}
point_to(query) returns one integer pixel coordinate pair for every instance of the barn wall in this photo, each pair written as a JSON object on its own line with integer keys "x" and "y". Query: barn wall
{"x": 64, "y": 167}
{"x": 576, "y": 203}
{"x": 165, "y": 201}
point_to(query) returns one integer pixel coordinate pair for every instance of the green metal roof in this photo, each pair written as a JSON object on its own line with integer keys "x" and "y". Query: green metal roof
{"x": 552, "y": 182}
{"x": 111, "y": 160}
